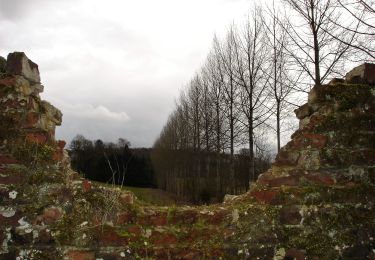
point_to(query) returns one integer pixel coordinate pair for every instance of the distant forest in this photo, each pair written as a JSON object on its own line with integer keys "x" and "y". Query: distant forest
{"x": 113, "y": 163}
{"x": 193, "y": 176}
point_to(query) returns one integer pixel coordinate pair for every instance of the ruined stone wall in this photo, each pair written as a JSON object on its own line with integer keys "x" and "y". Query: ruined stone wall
{"x": 316, "y": 202}
{"x": 20, "y": 87}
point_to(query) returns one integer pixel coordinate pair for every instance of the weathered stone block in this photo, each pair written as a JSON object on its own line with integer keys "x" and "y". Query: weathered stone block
{"x": 286, "y": 158}
{"x": 290, "y": 215}
{"x": 50, "y": 215}
{"x": 310, "y": 160}
{"x": 19, "y": 64}
{"x": 303, "y": 111}
{"x": 36, "y": 89}
{"x": 363, "y": 74}
{"x": 22, "y": 86}
{"x": 53, "y": 114}
{"x": 315, "y": 94}
{"x": 336, "y": 81}
{"x": 127, "y": 198}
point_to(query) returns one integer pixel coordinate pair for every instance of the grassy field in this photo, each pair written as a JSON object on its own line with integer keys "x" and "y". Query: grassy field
{"x": 154, "y": 196}
{"x": 149, "y": 196}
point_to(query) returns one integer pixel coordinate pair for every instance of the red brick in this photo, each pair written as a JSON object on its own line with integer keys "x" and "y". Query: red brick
{"x": 109, "y": 237}
{"x": 50, "y": 215}
{"x": 11, "y": 104}
{"x": 39, "y": 138}
{"x": 31, "y": 120}
{"x": 264, "y": 178}
{"x": 127, "y": 198}
{"x": 322, "y": 179}
{"x": 61, "y": 144}
{"x": 57, "y": 155}
{"x": 86, "y": 185}
{"x": 165, "y": 239}
{"x": 184, "y": 217}
{"x": 313, "y": 140}
{"x": 8, "y": 81}
{"x": 188, "y": 255}
{"x": 203, "y": 234}
{"x": 159, "y": 219}
{"x": 284, "y": 181}
{"x": 135, "y": 230}
{"x": 125, "y": 218}
{"x": 80, "y": 255}
{"x": 315, "y": 120}
{"x": 264, "y": 196}
{"x": 216, "y": 217}
{"x": 295, "y": 254}
{"x": 12, "y": 179}
{"x": 6, "y": 159}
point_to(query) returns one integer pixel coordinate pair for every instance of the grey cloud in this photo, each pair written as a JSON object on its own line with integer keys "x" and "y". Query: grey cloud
{"x": 113, "y": 76}
{"x": 11, "y": 9}
{"x": 16, "y": 10}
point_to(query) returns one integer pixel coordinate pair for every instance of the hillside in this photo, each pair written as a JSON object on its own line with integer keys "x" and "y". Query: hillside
{"x": 316, "y": 201}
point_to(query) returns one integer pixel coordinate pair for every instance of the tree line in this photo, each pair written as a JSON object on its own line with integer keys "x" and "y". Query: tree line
{"x": 225, "y": 120}
{"x": 114, "y": 163}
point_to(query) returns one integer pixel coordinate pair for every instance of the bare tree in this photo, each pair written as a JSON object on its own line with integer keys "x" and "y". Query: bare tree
{"x": 362, "y": 24}
{"x": 215, "y": 77}
{"x": 313, "y": 48}
{"x": 281, "y": 83}
{"x": 251, "y": 56}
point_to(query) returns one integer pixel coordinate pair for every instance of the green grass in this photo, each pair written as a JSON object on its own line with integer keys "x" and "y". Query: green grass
{"x": 149, "y": 196}
{"x": 154, "y": 196}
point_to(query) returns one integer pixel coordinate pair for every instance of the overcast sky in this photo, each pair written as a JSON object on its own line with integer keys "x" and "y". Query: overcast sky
{"x": 115, "y": 67}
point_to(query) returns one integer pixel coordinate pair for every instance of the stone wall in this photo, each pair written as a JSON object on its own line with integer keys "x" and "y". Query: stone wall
{"x": 316, "y": 202}
{"x": 20, "y": 88}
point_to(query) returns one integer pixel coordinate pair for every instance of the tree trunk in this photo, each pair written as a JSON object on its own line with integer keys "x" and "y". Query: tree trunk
{"x": 278, "y": 125}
